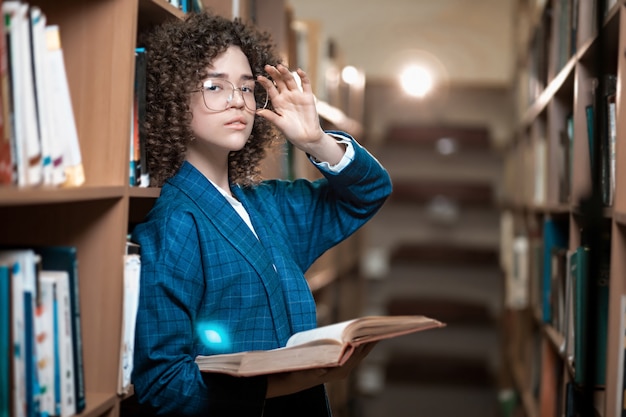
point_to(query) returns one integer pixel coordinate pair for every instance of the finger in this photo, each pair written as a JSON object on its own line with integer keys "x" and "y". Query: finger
{"x": 277, "y": 77}
{"x": 268, "y": 84}
{"x": 305, "y": 81}
{"x": 288, "y": 78}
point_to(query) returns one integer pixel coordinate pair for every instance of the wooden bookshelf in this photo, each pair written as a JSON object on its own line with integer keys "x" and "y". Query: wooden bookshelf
{"x": 540, "y": 185}
{"x": 98, "y": 39}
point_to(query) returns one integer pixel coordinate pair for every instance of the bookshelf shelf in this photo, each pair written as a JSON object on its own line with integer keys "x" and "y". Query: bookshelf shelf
{"x": 565, "y": 79}
{"x": 562, "y": 134}
{"x": 148, "y": 192}
{"x": 32, "y": 196}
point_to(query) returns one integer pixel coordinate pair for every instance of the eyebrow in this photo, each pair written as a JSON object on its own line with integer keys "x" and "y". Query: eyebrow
{"x": 225, "y": 76}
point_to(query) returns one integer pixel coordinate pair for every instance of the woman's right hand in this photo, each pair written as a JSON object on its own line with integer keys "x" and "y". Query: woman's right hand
{"x": 292, "y": 382}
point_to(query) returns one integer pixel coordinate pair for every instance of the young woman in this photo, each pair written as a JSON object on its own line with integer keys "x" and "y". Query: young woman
{"x": 223, "y": 251}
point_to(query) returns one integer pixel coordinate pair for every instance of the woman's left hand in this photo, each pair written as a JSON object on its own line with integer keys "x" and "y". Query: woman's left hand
{"x": 295, "y": 113}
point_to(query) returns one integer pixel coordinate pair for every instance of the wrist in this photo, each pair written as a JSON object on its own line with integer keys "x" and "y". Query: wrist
{"x": 326, "y": 149}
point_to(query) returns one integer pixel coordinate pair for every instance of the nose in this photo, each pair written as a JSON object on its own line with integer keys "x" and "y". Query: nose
{"x": 236, "y": 99}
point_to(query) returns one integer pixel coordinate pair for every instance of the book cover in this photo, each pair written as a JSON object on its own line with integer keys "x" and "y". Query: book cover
{"x": 554, "y": 236}
{"x": 570, "y": 283}
{"x": 610, "y": 138}
{"x": 36, "y": 27}
{"x": 65, "y": 258}
{"x": 138, "y": 165}
{"x": 323, "y": 347}
{"x": 28, "y": 145}
{"x": 65, "y": 125}
{"x": 7, "y": 166}
{"x": 620, "y": 406}
{"x": 132, "y": 270}
{"x": 5, "y": 340}
{"x": 25, "y": 390}
{"x": 601, "y": 279}
{"x": 65, "y": 345}
{"x": 47, "y": 343}
{"x": 140, "y": 80}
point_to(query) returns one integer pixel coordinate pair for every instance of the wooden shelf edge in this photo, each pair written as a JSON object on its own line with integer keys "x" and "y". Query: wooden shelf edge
{"x": 620, "y": 217}
{"x": 528, "y": 402}
{"x": 144, "y": 192}
{"x": 541, "y": 102}
{"x": 556, "y": 339}
{"x": 98, "y": 403}
{"x": 30, "y": 196}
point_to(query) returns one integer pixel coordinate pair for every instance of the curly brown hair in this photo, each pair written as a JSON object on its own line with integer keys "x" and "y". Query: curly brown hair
{"x": 178, "y": 55}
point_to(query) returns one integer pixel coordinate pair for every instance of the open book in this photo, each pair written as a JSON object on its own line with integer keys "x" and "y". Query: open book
{"x": 323, "y": 347}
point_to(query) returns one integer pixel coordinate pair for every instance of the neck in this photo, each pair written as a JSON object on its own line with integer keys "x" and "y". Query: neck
{"x": 212, "y": 165}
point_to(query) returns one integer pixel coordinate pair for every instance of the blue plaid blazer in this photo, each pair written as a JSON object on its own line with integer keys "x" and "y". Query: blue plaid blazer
{"x": 208, "y": 285}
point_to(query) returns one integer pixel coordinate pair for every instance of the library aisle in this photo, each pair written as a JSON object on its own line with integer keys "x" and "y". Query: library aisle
{"x": 435, "y": 253}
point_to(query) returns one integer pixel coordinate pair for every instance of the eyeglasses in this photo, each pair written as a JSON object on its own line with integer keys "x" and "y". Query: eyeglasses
{"x": 218, "y": 94}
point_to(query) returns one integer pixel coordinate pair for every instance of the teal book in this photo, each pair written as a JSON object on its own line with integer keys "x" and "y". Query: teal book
{"x": 554, "y": 236}
{"x": 5, "y": 340}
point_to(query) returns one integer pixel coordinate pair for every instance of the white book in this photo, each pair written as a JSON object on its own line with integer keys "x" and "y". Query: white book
{"x": 65, "y": 124}
{"x": 132, "y": 269}
{"x": 28, "y": 145}
{"x": 65, "y": 345}
{"x": 47, "y": 353}
{"x": 42, "y": 89}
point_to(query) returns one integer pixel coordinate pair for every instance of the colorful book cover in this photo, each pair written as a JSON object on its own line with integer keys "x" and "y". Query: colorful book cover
{"x": 65, "y": 258}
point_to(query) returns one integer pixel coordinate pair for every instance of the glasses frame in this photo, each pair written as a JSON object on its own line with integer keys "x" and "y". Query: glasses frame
{"x": 231, "y": 97}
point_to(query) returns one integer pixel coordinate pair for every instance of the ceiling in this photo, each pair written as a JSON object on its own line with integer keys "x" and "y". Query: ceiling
{"x": 466, "y": 42}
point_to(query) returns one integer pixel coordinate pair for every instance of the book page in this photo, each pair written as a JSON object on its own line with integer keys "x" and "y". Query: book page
{"x": 332, "y": 332}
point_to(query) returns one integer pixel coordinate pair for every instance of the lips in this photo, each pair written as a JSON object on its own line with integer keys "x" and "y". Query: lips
{"x": 237, "y": 122}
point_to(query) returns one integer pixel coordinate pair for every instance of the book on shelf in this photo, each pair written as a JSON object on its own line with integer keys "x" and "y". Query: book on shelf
{"x": 139, "y": 175}
{"x": 5, "y": 340}
{"x": 589, "y": 116}
{"x": 132, "y": 270}
{"x": 27, "y": 146}
{"x": 23, "y": 264}
{"x": 51, "y": 143}
{"x": 581, "y": 313}
{"x": 65, "y": 390}
{"x": 65, "y": 258}
{"x": 517, "y": 281}
{"x": 322, "y": 347}
{"x": 620, "y": 406}
{"x": 557, "y": 288}
{"x": 554, "y": 236}
{"x": 7, "y": 167}
{"x": 570, "y": 284}
{"x": 65, "y": 126}
{"x": 565, "y": 154}
{"x": 47, "y": 343}
{"x": 39, "y": 136}
{"x": 608, "y": 139}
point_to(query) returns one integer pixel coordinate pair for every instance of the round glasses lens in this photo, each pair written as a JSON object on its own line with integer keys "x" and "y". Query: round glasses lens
{"x": 218, "y": 94}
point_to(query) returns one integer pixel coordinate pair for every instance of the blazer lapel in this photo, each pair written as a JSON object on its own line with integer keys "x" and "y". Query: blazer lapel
{"x": 231, "y": 226}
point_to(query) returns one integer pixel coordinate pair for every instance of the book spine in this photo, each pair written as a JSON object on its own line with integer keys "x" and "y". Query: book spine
{"x": 66, "y": 350}
{"x": 5, "y": 340}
